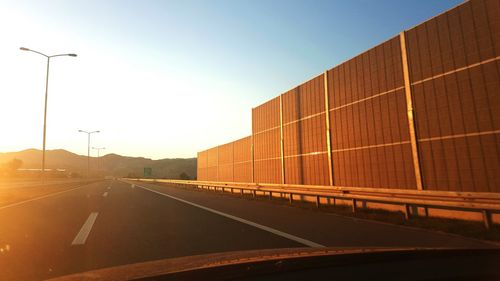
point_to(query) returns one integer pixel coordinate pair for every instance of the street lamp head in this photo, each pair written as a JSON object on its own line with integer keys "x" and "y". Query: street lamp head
{"x": 72, "y": 55}
{"x": 90, "y": 132}
{"x": 24, "y": 49}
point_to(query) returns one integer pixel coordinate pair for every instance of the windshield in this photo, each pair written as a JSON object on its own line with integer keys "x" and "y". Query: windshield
{"x": 137, "y": 131}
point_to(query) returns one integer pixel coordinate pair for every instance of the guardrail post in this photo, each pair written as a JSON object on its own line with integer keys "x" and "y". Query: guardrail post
{"x": 241, "y": 191}
{"x": 407, "y": 211}
{"x": 291, "y": 198}
{"x": 254, "y": 193}
{"x": 231, "y": 190}
{"x": 354, "y": 207}
{"x": 317, "y": 201}
{"x": 487, "y": 219}
{"x": 270, "y": 195}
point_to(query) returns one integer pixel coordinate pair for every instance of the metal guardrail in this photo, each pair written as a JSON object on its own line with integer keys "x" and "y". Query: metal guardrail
{"x": 486, "y": 203}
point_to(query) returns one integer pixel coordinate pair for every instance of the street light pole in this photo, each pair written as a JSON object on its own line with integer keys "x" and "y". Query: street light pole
{"x": 45, "y": 118}
{"x": 98, "y": 155}
{"x": 88, "y": 148}
{"x": 46, "y": 98}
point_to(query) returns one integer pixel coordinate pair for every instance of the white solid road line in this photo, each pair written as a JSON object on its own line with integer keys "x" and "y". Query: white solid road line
{"x": 41, "y": 197}
{"x": 84, "y": 232}
{"x": 105, "y": 194}
{"x": 260, "y": 226}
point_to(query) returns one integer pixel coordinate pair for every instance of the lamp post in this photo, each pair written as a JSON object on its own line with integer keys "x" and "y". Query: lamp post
{"x": 88, "y": 148}
{"x": 98, "y": 155}
{"x": 46, "y": 96}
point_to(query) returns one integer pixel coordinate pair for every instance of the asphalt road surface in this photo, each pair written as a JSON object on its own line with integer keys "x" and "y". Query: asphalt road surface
{"x": 111, "y": 223}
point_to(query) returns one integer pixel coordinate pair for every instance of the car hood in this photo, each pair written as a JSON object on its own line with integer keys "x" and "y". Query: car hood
{"x": 237, "y": 264}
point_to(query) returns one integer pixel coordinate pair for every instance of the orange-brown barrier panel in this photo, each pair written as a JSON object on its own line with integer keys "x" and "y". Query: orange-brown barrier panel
{"x": 202, "y": 166}
{"x": 243, "y": 160}
{"x": 369, "y": 126}
{"x": 225, "y": 164}
{"x": 266, "y": 142}
{"x": 419, "y": 111}
{"x": 212, "y": 164}
{"x": 266, "y": 116}
{"x": 267, "y": 161}
{"x": 304, "y": 130}
{"x": 454, "y": 72}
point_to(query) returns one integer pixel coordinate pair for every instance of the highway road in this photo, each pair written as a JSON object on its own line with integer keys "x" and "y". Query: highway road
{"x": 111, "y": 223}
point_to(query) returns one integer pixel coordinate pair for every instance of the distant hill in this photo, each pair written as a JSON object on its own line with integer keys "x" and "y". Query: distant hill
{"x": 110, "y": 164}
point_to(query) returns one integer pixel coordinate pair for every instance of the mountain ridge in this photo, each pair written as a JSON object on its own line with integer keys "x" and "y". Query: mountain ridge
{"x": 111, "y": 164}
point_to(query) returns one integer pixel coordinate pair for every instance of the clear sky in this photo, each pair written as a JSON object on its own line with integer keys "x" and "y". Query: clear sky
{"x": 164, "y": 79}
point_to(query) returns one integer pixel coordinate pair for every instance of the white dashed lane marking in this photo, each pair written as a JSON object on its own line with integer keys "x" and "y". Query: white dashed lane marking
{"x": 84, "y": 232}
